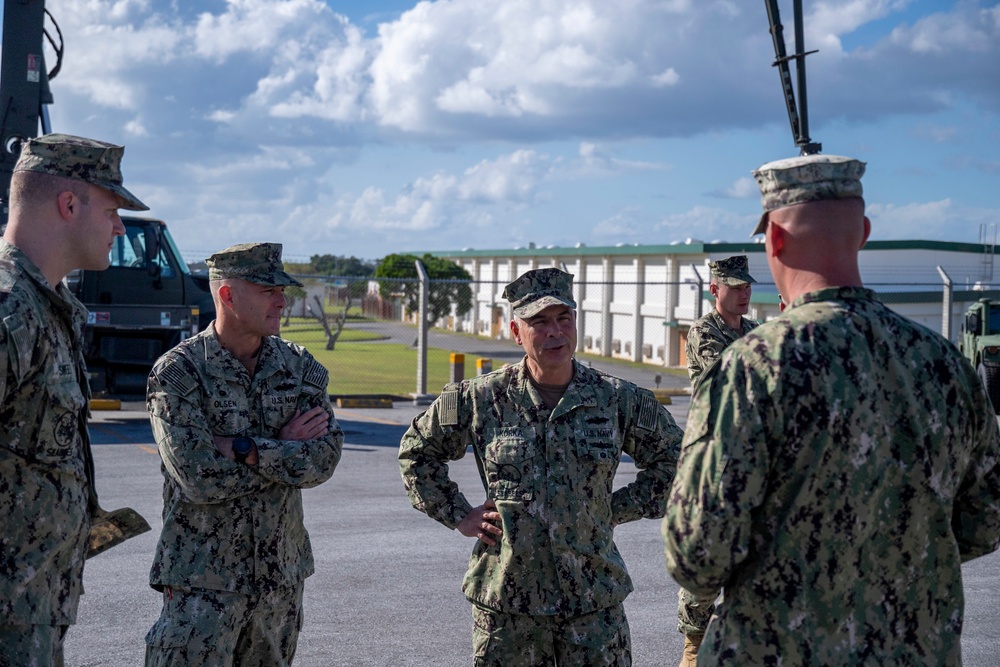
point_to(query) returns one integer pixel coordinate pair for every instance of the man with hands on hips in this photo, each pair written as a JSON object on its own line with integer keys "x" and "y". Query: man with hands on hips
{"x": 545, "y": 578}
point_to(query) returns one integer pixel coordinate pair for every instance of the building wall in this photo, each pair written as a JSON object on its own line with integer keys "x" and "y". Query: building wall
{"x": 637, "y": 302}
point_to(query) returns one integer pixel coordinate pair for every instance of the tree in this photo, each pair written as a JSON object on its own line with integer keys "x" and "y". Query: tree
{"x": 337, "y": 265}
{"x": 324, "y": 319}
{"x": 292, "y": 295}
{"x": 450, "y": 284}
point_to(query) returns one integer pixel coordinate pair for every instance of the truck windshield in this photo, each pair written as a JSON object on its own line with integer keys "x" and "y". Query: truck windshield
{"x": 994, "y": 320}
{"x": 167, "y": 239}
{"x": 130, "y": 251}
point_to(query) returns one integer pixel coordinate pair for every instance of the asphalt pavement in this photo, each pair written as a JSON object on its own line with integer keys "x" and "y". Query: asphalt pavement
{"x": 387, "y": 588}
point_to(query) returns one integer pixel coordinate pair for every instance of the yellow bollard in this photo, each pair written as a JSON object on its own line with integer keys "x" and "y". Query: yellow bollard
{"x": 456, "y": 372}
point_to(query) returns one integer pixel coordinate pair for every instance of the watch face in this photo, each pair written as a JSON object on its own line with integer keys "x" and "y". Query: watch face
{"x": 242, "y": 445}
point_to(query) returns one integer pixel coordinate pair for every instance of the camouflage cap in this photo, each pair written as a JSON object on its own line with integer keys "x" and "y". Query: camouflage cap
{"x": 254, "y": 262}
{"x": 89, "y": 160}
{"x": 538, "y": 289}
{"x": 804, "y": 179}
{"x": 733, "y": 271}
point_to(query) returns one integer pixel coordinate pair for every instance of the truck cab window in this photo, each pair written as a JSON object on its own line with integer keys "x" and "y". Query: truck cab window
{"x": 129, "y": 251}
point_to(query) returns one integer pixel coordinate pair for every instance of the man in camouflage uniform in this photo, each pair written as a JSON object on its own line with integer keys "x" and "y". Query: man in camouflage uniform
{"x": 64, "y": 197}
{"x": 243, "y": 423}
{"x": 840, "y": 463}
{"x": 711, "y": 334}
{"x": 545, "y": 578}
{"x": 708, "y": 338}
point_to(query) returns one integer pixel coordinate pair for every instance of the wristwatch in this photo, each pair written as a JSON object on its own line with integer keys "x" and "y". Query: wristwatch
{"x": 242, "y": 446}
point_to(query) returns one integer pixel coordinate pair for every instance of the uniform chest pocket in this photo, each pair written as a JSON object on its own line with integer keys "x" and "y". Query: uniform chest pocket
{"x": 278, "y": 411}
{"x": 228, "y": 414}
{"x": 59, "y": 436}
{"x": 510, "y": 459}
{"x": 598, "y": 444}
{"x": 596, "y": 451}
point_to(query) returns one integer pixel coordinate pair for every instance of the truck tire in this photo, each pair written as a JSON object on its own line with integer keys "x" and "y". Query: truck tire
{"x": 990, "y": 376}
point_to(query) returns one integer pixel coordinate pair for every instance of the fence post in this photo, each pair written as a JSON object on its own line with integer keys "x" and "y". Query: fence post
{"x": 697, "y": 298}
{"x": 421, "y": 396}
{"x": 946, "y": 306}
{"x": 607, "y": 287}
{"x": 638, "y": 328}
{"x": 484, "y": 366}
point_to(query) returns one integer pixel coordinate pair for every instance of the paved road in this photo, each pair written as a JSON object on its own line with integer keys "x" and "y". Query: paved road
{"x": 386, "y": 591}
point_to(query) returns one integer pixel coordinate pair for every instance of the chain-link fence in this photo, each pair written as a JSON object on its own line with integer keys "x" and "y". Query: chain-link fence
{"x": 366, "y": 330}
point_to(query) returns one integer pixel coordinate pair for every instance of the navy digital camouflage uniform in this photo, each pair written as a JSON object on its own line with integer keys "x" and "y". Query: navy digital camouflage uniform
{"x": 47, "y": 493}
{"x": 551, "y": 476}
{"x": 234, "y": 552}
{"x": 708, "y": 337}
{"x": 839, "y": 465}
{"x": 45, "y": 464}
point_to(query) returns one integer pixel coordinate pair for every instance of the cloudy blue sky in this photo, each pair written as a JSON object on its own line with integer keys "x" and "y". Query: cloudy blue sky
{"x": 375, "y": 126}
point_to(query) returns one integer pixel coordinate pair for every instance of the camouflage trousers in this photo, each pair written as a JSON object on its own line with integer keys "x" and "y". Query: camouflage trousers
{"x": 694, "y": 612}
{"x": 600, "y": 638}
{"x": 204, "y": 628}
{"x": 32, "y": 645}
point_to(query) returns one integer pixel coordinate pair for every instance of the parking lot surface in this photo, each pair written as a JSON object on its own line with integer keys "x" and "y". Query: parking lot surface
{"x": 387, "y": 588}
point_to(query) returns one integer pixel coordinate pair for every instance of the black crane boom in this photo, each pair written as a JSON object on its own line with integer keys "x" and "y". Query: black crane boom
{"x": 24, "y": 84}
{"x": 798, "y": 115}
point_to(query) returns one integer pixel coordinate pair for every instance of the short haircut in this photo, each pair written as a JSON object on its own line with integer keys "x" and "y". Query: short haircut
{"x": 32, "y": 188}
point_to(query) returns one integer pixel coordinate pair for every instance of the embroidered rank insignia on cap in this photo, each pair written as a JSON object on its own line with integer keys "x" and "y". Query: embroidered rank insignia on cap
{"x": 648, "y": 408}
{"x": 174, "y": 376}
{"x": 449, "y": 407}
{"x": 317, "y": 375}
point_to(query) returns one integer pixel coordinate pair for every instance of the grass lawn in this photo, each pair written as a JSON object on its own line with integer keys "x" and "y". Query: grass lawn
{"x": 358, "y": 365}
{"x": 310, "y": 334}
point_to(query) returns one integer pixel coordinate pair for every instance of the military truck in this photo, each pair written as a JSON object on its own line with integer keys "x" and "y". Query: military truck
{"x": 981, "y": 345}
{"x": 148, "y": 301}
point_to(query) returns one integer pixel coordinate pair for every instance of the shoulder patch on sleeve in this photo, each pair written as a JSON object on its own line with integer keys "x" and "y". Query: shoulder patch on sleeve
{"x": 316, "y": 375}
{"x": 648, "y": 409}
{"x": 449, "y": 407}
{"x": 173, "y": 376}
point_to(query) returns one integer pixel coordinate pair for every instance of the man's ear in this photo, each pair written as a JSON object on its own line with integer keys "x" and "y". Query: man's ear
{"x": 713, "y": 289}
{"x": 69, "y": 204}
{"x": 226, "y": 295}
{"x": 776, "y": 238}
{"x": 515, "y": 331}
{"x": 868, "y": 230}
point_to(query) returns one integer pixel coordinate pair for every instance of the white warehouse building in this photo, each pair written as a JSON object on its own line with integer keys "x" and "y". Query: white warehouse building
{"x": 637, "y": 302}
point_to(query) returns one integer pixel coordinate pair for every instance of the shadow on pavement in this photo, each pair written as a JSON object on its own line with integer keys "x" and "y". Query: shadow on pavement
{"x": 138, "y": 431}
{"x": 120, "y": 432}
{"x": 372, "y": 434}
